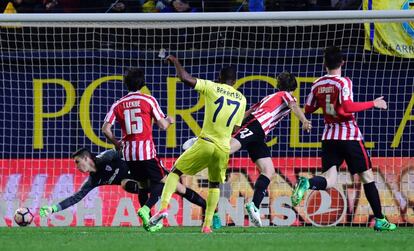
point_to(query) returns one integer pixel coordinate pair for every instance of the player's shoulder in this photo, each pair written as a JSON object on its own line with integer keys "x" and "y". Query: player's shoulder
{"x": 343, "y": 81}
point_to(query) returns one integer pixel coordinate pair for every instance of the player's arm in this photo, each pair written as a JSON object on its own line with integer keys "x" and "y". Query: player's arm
{"x": 182, "y": 74}
{"x": 107, "y": 156}
{"x": 311, "y": 104}
{"x": 350, "y": 106}
{"x": 164, "y": 123}
{"x": 107, "y": 131}
{"x": 70, "y": 201}
{"x": 248, "y": 112}
{"x": 306, "y": 124}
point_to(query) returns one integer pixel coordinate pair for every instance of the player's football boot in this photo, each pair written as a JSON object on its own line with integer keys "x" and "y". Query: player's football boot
{"x": 216, "y": 221}
{"x": 156, "y": 228}
{"x": 206, "y": 230}
{"x": 158, "y": 217}
{"x": 384, "y": 225}
{"x": 299, "y": 191}
{"x": 254, "y": 214}
{"x": 144, "y": 214}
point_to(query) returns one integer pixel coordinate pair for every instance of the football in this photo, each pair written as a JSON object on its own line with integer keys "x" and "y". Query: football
{"x": 23, "y": 217}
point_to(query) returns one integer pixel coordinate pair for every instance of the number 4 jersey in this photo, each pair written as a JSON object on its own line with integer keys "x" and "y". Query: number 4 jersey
{"x": 134, "y": 113}
{"x": 224, "y": 108}
{"x": 330, "y": 92}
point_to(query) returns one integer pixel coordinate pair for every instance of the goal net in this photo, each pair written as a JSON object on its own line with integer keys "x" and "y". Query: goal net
{"x": 61, "y": 74}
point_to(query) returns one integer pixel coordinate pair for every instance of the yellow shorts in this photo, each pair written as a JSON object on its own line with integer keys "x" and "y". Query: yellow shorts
{"x": 204, "y": 154}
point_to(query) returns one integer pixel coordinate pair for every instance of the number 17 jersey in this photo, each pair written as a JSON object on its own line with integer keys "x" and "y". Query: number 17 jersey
{"x": 134, "y": 113}
{"x": 224, "y": 108}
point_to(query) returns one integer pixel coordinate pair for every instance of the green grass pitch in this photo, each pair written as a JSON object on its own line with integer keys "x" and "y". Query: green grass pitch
{"x": 189, "y": 238}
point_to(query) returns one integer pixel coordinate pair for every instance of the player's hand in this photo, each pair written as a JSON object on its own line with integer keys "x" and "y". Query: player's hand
{"x": 170, "y": 120}
{"x": 118, "y": 146}
{"x": 380, "y": 103}
{"x": 307, "y": 126}
{"x": 171, "y": 59}
{"x": 47, "y": 210}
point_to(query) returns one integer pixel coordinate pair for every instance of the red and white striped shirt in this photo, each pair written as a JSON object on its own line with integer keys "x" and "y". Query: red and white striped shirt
{"x": 134, "y": 113}
{"x": 272, "y": 109}
{"x": 329, "y": 93}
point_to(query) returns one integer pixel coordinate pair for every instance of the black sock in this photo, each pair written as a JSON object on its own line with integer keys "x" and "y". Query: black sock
{"x": 142, "y": 196}
{"x": 318, "y": 183}
{"x": 155, "y": 194}
{"x": 260, "y": 189}
{"x": 371, "y": 192}
{"x": 194, "y": 198}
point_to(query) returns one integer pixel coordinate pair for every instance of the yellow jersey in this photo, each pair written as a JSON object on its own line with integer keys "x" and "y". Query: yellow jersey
{"x": 224, "y": 108}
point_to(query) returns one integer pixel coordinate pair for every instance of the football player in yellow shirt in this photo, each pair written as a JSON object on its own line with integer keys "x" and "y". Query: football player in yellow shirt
{"x": 224, "y": 112}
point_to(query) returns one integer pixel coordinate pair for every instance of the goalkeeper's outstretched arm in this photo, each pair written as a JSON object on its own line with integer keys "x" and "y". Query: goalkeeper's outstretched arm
{"x": 182, "y": 74}
{"x": 70, "y": 201}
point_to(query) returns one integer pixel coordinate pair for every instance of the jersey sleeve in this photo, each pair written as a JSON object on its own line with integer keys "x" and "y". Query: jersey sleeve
{"x": 78, "y": 196}
{"x": 346, "y": 91}
{"x": 311, "y": 104}
{"x": 156, "y": 111}
{"x": 107, "y": 156}
{"x": 111, "y": 116}
{"x": 203, "y": 86}
{"x": 288, "y": 98}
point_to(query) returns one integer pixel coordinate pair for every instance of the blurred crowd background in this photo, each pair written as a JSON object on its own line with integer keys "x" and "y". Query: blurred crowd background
{"x": 168, "y": 6}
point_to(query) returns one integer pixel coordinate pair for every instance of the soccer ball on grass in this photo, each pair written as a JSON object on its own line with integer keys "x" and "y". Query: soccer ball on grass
{"x": 23, "y": 217}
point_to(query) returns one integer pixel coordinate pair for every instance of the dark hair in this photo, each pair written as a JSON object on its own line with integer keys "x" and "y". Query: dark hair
{"x": 83, "y": 152}
{"x": 134, "y": 79}
{"x": 228, "y": 73}
{"x": 332, "y": 57}
{"x": 286, "y": 81}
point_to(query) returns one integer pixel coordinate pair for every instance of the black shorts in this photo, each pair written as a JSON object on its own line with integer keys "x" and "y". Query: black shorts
{"x": 143, "y": 170}
{"x": 252, "y": 138}
{"x": 334, "y": 152}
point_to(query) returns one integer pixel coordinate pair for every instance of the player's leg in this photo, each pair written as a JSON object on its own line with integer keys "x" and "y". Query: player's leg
{"x": 217, "y": 167}
{"x": 332, "y": 158}
{"x": 132, "y": 186}
{"x": 150, "y": 172}
{"x": 143, "y": 193}
{"x": 359, "y": 162}
{"x": 190, "y": 162}
{"x": 267, "y": 171}
{"x": 235, "y": 145}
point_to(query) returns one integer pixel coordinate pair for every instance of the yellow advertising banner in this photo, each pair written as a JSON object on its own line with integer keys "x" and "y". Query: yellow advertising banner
{"x": 393, "y": 39}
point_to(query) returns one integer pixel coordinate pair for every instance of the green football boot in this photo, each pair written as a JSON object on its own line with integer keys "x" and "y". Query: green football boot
{"x": 299, "y": 191}
{"x": 384, "y": 225}
{"x": 216, "y": 221}
{"x": 144, "y": 215}
{"x": 156, "y": 228}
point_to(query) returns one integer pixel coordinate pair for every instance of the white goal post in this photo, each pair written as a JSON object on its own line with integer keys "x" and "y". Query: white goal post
{"x": 60, "y": 73}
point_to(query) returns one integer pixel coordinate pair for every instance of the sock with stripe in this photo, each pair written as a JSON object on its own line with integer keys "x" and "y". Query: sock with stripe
{"x": 194, "y": 198}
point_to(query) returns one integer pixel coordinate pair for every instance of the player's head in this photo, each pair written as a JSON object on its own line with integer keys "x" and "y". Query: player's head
{"x": 228, "y": 75}
{"x": 332, "y": 58}
{"x": 286, "y": 81}
{"x": 84, "y": 160}
{"x": 134, "y": 79}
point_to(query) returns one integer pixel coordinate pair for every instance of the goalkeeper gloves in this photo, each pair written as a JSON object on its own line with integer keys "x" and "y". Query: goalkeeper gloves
{"x": 47, "y": 210}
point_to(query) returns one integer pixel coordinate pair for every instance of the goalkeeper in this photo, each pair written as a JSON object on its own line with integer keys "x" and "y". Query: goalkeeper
{"x": 108, "y": 168}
